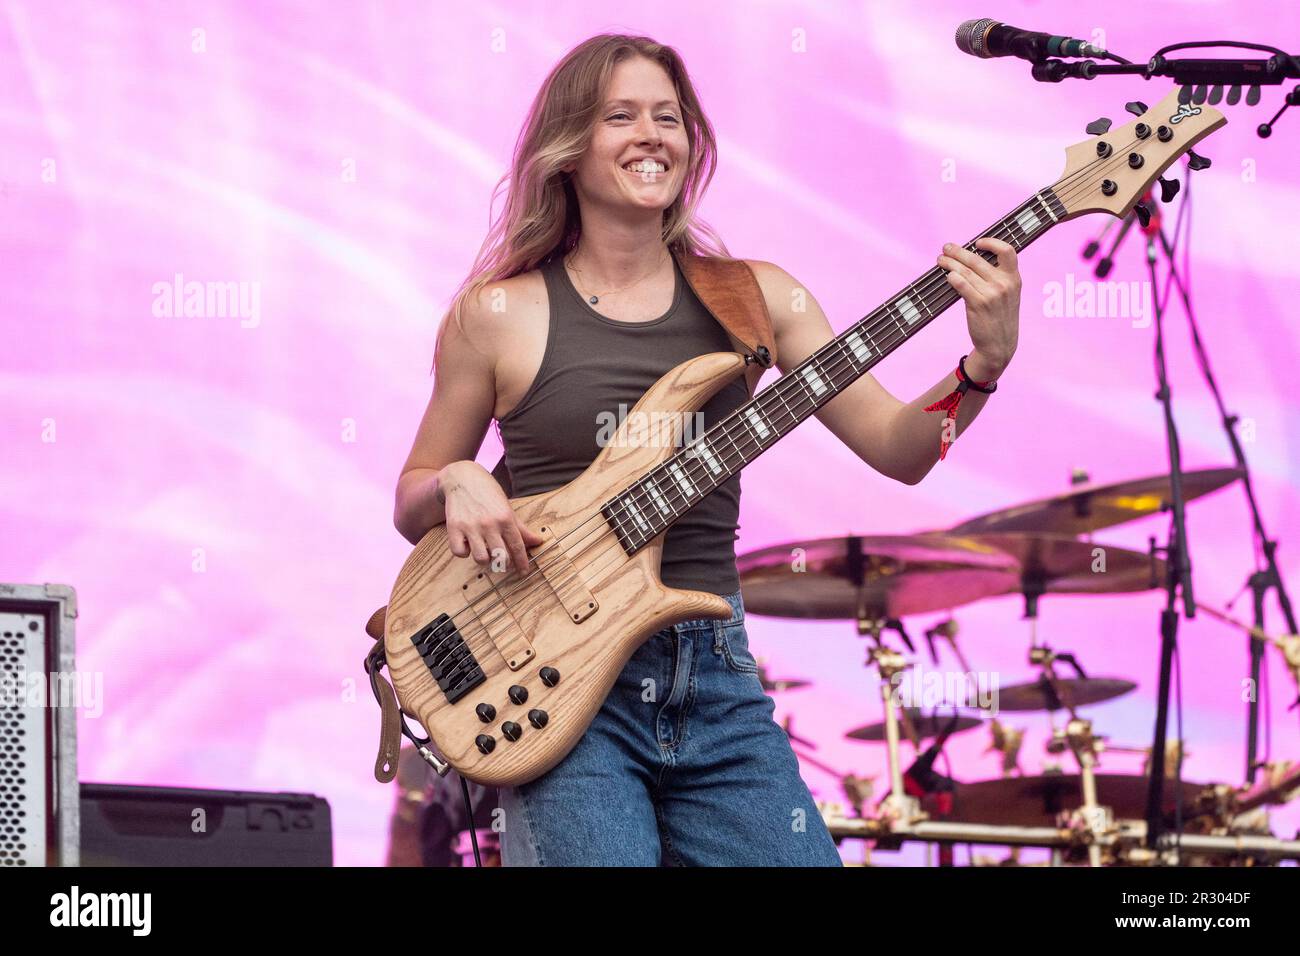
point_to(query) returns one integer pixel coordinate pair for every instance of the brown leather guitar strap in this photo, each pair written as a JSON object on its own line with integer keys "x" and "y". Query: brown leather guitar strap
{"x": 729, "y": 290}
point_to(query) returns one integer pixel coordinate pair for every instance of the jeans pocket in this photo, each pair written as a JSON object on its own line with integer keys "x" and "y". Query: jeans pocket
{"x": 733, "y": 644}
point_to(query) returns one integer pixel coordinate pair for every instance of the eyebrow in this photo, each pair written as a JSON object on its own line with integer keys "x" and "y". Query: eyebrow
{"x": 633, "y": 103}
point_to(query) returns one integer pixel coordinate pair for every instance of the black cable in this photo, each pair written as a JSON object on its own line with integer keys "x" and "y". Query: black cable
{"x": 469, "y": 811}
{"x": 1237, "y": 44}
{"x": 1178, "y": 764}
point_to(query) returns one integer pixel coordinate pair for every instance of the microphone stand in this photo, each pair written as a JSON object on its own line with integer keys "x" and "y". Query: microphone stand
{"x": 1177, "y": 579}
{"x": 1261, "y": 581}
{"x": 1201, "y": 81}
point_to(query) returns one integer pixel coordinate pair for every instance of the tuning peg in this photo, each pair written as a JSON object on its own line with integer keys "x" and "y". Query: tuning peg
{"x": 1097, "y": 126}
{"x": 1137, "y": 107}
{"x": 1143, "y": 214}
{"x": 1216, "y": 94}
{"x": 1199, "y": 94}
{"x": 1196, "y": 162}
{"x": 1168, "y": 189}
{"x": 1234, "y": 95}
{"x": 1252, "y": 95}
{"x": 1184, "y": 95}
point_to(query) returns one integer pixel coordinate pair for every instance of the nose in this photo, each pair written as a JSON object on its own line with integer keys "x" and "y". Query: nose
{"x": 648, "y": 132}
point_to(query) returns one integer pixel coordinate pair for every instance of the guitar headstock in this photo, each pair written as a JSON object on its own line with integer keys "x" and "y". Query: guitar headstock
{"x": 1113, "y": 170}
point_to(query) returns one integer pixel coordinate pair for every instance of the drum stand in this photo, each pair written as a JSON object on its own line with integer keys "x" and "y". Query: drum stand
{"x": 1091, "y": 818}
{"x": 897, "y": 807}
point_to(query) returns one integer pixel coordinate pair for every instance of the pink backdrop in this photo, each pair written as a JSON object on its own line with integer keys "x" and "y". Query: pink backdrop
{"x": 219, "y": 489}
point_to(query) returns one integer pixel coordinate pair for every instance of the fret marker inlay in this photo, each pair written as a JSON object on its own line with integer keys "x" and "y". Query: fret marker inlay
{"x": 814, "y": 380}
{"x": 1028, "y": 222}
{"x": 909, "y": 311}
{"x": 756, "y": 421}
{"x": 658, "y": 498}
{"x": 636, "y": 515}
{"x": 859, "y": 347}
{"x": 683, "y": 482}
{"x": 705, "y": 452}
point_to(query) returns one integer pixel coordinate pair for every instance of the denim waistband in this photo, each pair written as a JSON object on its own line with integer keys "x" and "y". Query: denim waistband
{"x": 709, "y": 623}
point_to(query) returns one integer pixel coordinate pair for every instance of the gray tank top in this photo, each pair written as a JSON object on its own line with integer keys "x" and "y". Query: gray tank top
{"x": 593, "y": 371}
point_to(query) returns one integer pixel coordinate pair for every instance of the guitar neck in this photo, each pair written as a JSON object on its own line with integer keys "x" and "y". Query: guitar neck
{"x": 651, "y": 504}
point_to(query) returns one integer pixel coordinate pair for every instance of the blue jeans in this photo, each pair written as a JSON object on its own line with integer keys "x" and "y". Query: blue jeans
{"x": 683, "y": 764}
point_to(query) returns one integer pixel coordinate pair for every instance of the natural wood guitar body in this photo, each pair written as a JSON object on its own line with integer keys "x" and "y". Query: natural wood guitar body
{"x": 515, "y": 625}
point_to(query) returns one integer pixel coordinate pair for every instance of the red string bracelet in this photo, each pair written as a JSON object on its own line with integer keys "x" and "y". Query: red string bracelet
{"x": 952, "y": 400}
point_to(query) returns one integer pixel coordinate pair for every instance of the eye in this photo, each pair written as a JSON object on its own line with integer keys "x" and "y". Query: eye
{"x": 622, "y": 115}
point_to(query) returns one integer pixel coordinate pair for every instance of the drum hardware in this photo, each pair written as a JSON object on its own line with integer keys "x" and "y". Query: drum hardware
{"x": 1084, "y": 816}
{"x": 1173, "y": 762}
{"x": 1281, "y": 784}
{"x": 1077, "y": 736}
{"x": 897, "y": 805}
{"x": 1121, "y": 843}
{"x": 1007, "y": 742}
{"x": 1091, "y": 817}
{"x": 1288, "y": 644}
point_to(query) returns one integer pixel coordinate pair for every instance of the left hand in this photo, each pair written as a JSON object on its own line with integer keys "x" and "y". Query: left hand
{"x": 992, "y": 296}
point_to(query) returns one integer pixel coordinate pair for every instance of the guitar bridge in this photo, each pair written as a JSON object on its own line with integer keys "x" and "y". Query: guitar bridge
{"x": 448, "y": 657}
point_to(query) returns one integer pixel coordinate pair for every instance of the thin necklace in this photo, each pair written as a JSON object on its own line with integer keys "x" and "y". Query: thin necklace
{"x": 593, "y": 299}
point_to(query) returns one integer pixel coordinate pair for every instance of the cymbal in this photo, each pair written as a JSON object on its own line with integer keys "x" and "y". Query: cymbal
{"x": 884, "y": 576}
{"x": 779, "y": 683}
{"x": 774, "y": 684}
{"x": 927, "y": 725}
{"x": 1060, "y": 564}
{"x": 1035, "y": 801}
{"x": 1090, "y": 507}
{"x": 1073, "y": 691}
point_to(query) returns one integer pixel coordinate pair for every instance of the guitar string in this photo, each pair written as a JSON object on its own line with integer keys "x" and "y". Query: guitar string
{"x": 929, "y": 285}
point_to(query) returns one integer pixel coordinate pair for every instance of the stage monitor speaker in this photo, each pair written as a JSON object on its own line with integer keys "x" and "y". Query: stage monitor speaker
{"x": 166, "y": 826}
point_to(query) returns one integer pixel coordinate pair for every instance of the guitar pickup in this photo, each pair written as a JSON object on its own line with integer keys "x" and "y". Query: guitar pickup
{"x": 565, "y": 580}
{"x": 494, "y": 614}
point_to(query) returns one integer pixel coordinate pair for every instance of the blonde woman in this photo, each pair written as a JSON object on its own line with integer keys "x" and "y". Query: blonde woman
{"x": 575, "y": 305}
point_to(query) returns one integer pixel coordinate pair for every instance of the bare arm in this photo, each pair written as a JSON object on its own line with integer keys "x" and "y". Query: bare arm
{"x": 440, "y": 482}
{"x": 900, "y": 439}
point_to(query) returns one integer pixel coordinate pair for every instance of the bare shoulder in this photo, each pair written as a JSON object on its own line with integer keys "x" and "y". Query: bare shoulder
{"x": 505, "y": 310}
{"x": 779, "y": 287}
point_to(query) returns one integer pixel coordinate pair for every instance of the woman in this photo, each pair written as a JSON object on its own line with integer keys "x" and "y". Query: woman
{"x": 574, "y": 307}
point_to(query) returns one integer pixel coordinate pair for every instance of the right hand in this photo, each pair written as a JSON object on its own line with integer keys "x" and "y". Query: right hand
{"x": 480, "y": 521}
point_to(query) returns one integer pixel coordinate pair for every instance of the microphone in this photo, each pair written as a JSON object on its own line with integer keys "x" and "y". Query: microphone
{"x": 987, "y": 38}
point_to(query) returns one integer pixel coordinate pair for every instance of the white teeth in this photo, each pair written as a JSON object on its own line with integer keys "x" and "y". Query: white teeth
{"x": 645, "y": 166}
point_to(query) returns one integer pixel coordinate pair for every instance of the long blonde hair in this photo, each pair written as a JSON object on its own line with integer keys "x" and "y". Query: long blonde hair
{"x": 540, "y": 219}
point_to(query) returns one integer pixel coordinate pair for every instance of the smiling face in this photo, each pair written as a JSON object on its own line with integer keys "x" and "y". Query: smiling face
{"x": 639, "y": 148}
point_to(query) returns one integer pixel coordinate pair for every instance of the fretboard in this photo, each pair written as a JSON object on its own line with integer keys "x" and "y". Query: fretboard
{"x": 651, "y": 504}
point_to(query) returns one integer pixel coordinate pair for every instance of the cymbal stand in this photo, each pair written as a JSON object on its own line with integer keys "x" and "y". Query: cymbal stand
{"x": 897, "y": 806}
{"x": 1091, "y": 818}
